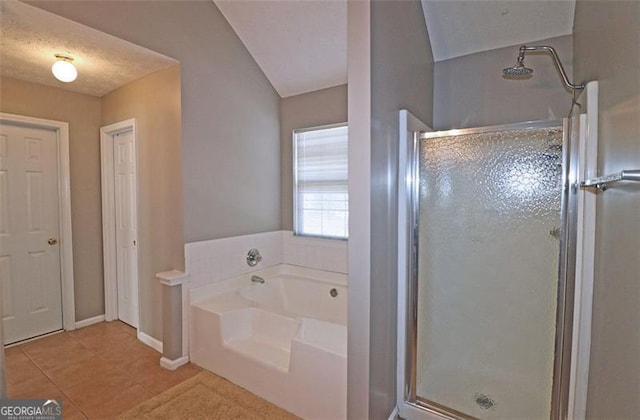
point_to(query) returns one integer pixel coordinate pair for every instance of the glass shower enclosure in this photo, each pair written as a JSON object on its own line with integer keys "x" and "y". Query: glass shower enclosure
{"x": 487, "y": 308}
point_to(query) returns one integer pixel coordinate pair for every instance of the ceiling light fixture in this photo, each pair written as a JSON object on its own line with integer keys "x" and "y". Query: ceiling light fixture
{"x": 63, "y": 69}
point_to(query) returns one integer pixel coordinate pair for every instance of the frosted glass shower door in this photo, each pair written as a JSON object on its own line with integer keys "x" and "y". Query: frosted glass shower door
{"x": 488, "y": 256}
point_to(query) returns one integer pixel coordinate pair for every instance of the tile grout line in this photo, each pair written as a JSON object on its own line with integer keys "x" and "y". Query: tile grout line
{"x": 128, "y": 375}
{"x": 115, "y": 366}
{"x": 43, "y": 373}
{"x": 119, "y": 368}
{"x": 51, "y": 379}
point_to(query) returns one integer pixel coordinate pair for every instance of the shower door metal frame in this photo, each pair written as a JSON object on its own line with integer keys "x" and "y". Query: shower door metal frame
{"x": 566, "y": 266}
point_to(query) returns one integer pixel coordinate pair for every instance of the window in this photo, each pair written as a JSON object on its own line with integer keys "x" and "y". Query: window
{"x": 321, "y": 197}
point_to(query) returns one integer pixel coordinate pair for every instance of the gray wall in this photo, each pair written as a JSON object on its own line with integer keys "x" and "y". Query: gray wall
{"x": 401, "y": 77}
{"x": 469, "y": 91}
{"x": 83, "y": 113}
{"x": 606, "y": 45}
{"x": 154, "y": 101}
{"x": 230, "y": 134}
{"x": 321, "y": 107}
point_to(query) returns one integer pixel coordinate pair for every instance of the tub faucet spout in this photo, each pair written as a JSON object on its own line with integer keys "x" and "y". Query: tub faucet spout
{"x": 257, "y": 279}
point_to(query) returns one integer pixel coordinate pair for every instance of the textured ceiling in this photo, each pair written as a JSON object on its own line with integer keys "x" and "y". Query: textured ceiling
{"x": 300, "y": 45}
{"x": 461, "y": 27}
{"x": 30, "y": 37}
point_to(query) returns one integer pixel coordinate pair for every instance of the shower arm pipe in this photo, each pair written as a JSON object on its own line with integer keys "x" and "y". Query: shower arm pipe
{"x": 556, "y": 60}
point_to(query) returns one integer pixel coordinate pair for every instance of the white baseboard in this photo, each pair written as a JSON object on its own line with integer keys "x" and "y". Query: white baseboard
{"x": 150, "y": 341}
{"x": 174, "y": 364}
{"x": 394, "y": 414}
{"x": 89, "y": 321}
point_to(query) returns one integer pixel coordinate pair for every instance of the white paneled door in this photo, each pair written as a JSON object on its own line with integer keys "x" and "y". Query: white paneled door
{"x": 29, "y": 231}
{"x": 124, "y": 159}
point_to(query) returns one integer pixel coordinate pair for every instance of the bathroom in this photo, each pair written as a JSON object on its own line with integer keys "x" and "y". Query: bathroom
{"x": 391, "y": 66}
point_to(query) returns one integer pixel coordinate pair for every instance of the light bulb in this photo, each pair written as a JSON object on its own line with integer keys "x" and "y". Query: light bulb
{"x": 64, "y": 70}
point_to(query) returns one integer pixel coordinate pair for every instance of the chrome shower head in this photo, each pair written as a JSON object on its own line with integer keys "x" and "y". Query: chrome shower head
{"x": 519, "y": 70}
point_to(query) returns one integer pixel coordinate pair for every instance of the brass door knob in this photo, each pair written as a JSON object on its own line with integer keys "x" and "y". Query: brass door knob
{"x": 52, "y": 241}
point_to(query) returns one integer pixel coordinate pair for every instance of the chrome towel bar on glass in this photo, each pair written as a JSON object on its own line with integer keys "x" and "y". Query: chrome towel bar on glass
{"x": 602, "y": 182}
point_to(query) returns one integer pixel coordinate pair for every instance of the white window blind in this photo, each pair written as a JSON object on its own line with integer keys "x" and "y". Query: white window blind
{"x": 321, "y": 199}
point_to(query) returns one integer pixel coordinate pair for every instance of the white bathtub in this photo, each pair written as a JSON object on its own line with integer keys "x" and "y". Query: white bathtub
{"x": 284, "y": 340}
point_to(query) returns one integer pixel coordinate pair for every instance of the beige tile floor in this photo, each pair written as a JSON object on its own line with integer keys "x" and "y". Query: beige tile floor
{"x": 99, "y": 371}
